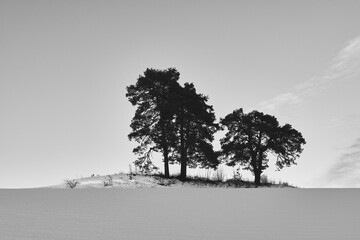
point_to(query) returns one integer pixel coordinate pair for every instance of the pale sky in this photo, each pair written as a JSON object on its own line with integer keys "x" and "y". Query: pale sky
{"x": 65, "y": 65}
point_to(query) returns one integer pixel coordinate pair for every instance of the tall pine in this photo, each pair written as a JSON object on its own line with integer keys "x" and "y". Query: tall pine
{"x": 152, "y": 126}
{"x": 195, "y": 123}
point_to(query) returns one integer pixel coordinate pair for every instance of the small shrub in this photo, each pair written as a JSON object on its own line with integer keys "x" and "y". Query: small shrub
{"x": 234, "y": 183}
{"x": 284, "y": 184}
{"x": 166, "y": 182}
{"x": 144, "y": 166}
{"x": 264, "y": 179}
{"x": 71, "y": 183}
{"x": 109, "y": 182}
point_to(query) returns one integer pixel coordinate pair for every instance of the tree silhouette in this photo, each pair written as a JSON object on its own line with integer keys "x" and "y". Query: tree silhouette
{"x": 250, "y": 137}
{"x": 152, "y": 126}
{"x": 195, "y": 121}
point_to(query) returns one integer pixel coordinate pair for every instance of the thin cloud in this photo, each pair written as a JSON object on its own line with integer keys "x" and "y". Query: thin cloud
{"x": 351, "y": 120}
{"x": 280, "y": 100}
{"x": 345, "y": 64}
{"x": 346, "y": 171}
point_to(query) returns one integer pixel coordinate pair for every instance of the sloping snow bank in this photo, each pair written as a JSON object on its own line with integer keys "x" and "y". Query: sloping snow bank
{"x": 179, "y": 213}
{"x": 123, "y": 180}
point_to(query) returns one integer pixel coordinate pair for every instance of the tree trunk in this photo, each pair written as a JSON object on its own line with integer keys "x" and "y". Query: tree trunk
{"x": 164, "y": 147}
{"x": 257, "y": 174}
{"x": 183, "y": 169}
{"x": 256, "y": 168}
{"x": 183, "y": 157}
{"x": 166, "y": 163}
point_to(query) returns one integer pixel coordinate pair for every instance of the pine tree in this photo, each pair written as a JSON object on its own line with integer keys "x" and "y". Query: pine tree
{"x": 195, "y": 121}
{"x": 252, "y": 136}
{"x": 152, "y": 126}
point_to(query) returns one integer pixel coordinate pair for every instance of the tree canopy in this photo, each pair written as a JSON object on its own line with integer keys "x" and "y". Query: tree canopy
{"x": 251, "y": 137}
{"x": 195, "y": 121}
{"x": 152, "y": 126}
{"x": 172, "y": 119}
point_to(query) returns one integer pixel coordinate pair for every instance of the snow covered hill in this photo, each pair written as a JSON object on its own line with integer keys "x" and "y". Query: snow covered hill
{"x": 124, "y": 180}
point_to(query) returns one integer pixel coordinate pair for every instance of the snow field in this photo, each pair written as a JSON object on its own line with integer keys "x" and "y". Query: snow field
{"x": 179, "y": 214}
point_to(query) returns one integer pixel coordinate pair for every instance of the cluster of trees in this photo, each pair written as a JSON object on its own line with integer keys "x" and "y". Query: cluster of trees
{"x": 177, "y": 121}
